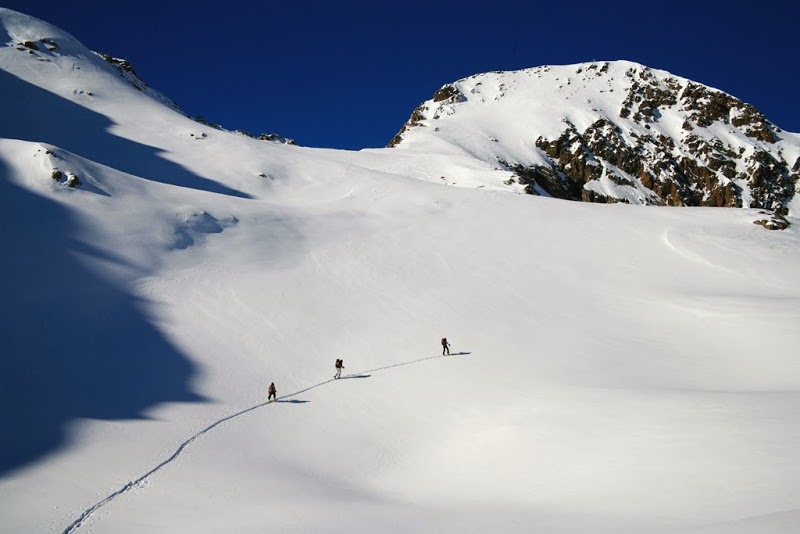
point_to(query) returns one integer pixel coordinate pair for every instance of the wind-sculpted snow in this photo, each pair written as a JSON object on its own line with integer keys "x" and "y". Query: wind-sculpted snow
{"x": 193, "y": 226}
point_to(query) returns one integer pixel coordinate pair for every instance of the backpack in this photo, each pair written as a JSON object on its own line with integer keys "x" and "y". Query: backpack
{"x": 444, "y": 341}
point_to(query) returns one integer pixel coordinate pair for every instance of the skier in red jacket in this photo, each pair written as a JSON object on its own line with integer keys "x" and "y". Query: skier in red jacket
{"x": 272, "y": 392}
{"x": 445, "y": 346}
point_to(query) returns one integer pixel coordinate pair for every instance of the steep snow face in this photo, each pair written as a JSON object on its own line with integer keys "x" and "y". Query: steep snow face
{"x": 612, "y": 131}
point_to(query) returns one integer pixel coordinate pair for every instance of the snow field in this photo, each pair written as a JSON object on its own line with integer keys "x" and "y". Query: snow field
{"x": 604, "y": 358}
{"x": 616, "y": 369}
{"x": 589, "y": 419}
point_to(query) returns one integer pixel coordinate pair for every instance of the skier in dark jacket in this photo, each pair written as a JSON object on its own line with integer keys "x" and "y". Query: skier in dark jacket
{"x": 445, "y": 346}
{"x": 272, "y": 392}
{"x": 339, "y": 367}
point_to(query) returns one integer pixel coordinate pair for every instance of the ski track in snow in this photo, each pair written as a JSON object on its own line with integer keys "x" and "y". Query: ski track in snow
{"x": 75, "y": 525}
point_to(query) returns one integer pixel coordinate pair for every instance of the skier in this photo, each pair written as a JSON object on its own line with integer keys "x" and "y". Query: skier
{"x": 272, "y": 392}
{"x": 339, "y": 367}
{"x": 445, "y": 346}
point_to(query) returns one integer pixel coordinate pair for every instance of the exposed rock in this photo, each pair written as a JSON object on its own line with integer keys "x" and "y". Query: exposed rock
{"x": 126, "y": 71}
{"x": 448, "y": 93}
{"x": 699, "y": 172}
{"x": 277, "y": 139}
{"x": 416, "y": 118}
{"x": 770, "y": 181}
{"x": 123, "y": 65}
{"x": 49, "y": 44}
{"x": 201, "y": 120}
{"x": 647, "y": 95}
{"x": 775, "y": 222}
{"x": 56, "y": 175}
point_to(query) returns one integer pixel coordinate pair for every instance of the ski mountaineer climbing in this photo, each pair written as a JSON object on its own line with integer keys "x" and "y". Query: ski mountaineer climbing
{"x": 339, "y": 367}
{"x": 445, "y": 346}
{"x": 272, "y": 392}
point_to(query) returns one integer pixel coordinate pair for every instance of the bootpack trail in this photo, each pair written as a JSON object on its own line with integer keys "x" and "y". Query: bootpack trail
{"x": 86, "y": 514}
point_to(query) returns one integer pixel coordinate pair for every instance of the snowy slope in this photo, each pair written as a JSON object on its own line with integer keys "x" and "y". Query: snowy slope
{"x": 615, "y": 369}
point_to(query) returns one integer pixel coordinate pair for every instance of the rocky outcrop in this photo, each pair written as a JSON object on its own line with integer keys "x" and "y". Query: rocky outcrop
{"x": 691, "y": 171}
{"x": 448, "y": 94}
{"x": 415, "y": 120}
{"x": 275, "y": 138}
{"x": 774, "y": 221}
{"x": 127, "y": 71}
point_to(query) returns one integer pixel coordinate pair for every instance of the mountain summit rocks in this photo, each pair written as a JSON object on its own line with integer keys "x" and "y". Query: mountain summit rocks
{"x": 613, "y": 132}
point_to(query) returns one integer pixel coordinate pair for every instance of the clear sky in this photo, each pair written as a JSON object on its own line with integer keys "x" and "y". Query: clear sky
{"x": 348, "y": 74}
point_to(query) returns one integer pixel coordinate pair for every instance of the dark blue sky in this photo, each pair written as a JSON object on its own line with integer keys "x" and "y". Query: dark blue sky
{"x": 348, "y": 74}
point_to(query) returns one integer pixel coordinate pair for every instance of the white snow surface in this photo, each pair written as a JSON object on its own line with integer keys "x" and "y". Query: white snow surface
{"x": 615, "y": 369}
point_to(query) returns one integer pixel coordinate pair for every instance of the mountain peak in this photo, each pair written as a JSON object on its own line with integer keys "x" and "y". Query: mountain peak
{"x": 613, "y": 131}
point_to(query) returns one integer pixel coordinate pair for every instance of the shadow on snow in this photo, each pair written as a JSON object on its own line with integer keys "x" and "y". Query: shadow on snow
{"x": 40, "y": 116}
{"x": 73, "y": 345}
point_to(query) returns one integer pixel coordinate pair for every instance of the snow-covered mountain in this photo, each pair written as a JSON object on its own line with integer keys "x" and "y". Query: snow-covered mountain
{"x": 613, "y": 132}
{"x": 615, "y": 369}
